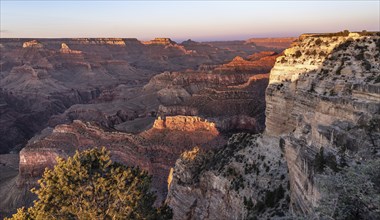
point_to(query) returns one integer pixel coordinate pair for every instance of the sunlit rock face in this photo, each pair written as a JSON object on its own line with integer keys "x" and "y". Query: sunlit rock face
{"x": 323, "y": 92}
{"x": 32, "y": 44}
{"x": 160, "y": 41}
{"x": 65, "y": 49}
{"x": 185, "y": 123}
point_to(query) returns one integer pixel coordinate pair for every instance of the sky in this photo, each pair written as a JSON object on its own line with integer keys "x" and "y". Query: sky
{"x": 181, "y": 20}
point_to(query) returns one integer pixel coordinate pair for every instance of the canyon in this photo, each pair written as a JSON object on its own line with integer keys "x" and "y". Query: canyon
{"x": 41, "y": 78}
{"x": 228, "y": 130}
{"x": 147, "y": 102}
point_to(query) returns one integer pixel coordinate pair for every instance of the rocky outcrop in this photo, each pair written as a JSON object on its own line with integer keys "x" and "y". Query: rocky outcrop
{"x": 11, "y": 195}
{"x": 312, "y": 103}
{"x": 228, "y": 183}
{"x": 32, "y": 44}
{"x": 185, "y": 123}
{"x": 102, "y": 41}
{"x": 160, "y": 41}
{"x": 66, "y": 49}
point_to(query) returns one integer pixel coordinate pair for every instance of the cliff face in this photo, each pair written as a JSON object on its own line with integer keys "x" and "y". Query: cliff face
{"x": 229, "y": 182}
{"x": 322, "y": 99}
{"x": 324, "y": 93}
{"x": 160, "y": 41}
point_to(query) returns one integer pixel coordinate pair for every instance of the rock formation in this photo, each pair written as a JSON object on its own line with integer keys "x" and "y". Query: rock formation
{"x": 236, "y": 182}
{"x": 258, "y": 63}
{"x": 32, "y": 44}
{"x": 160, "y": 41}
{"x": 324, "y": 94}
{"x": 66, "y": 49}
{"x": 322, "y": 102}
{"x": 185, "y": 123}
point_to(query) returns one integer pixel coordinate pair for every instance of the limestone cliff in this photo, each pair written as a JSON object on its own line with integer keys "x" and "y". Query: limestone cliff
{"x": 322, "y": 111}
{"x": 160, "y": 41}
{"x": 243, "y": 179}
{"x": 324, "y": 93}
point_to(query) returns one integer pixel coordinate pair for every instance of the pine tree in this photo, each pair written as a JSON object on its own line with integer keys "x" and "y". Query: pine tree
{"x": 90, "y": 186}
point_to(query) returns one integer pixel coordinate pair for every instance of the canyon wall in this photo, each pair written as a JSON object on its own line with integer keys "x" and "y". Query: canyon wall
{"x": 324, "y": 96}
{"x": 323, "y": 104}
{"x": 243, "y": 179}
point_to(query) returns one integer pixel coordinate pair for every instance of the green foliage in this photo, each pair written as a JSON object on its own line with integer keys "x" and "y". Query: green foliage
{"x": 344, "y": 45}
{"x": 353, "y": 193}
{"x": 319, "y": 161}
{"x": 270, "y": 203}
{"x": 298, "y": 54}
{"x": 273, "y": 197}
{"x": 90, "y": 186}
{"x": 318, "y": 42}
{"x": 237, "y": 183}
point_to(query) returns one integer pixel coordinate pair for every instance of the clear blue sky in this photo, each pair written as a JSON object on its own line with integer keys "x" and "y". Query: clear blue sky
{"x": 198, "y": 20}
